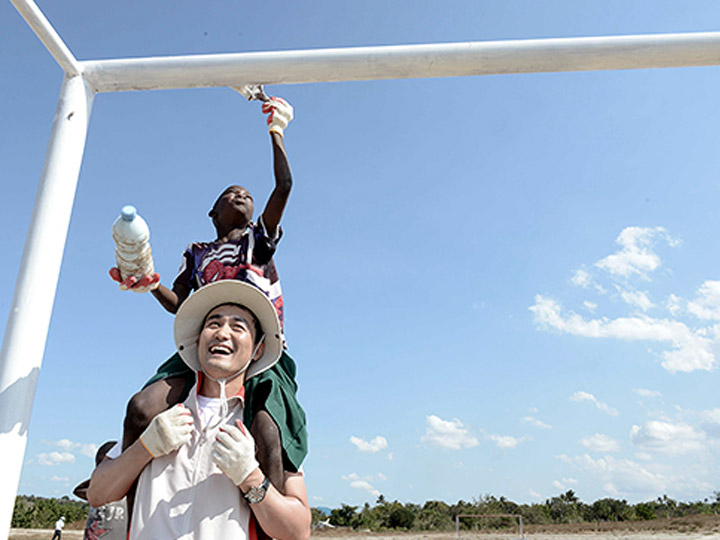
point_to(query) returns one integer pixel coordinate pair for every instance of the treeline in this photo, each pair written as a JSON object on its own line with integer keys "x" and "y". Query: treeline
{"x": 41, "y": 513}
{"x": 565, "y": 508}
{"x": 32, "y": 512}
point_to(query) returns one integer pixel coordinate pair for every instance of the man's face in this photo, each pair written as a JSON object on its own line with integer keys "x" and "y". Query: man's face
{"x": 226, "y": 341}
{"x": 235, "y": 204}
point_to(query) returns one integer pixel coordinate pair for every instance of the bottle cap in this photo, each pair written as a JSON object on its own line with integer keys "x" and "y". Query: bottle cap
{"x": 128, "y": 212}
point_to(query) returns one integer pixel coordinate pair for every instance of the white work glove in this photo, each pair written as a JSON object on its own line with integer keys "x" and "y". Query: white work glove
{"x": 168, "y": 431}
{"x": 281, "y": 112}
{"x": 234, "y": 452}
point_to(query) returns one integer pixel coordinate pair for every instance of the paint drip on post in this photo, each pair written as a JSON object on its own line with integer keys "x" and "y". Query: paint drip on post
{"x": 132, "y": 245}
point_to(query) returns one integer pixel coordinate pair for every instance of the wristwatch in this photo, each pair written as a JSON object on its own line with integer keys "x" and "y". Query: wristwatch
{"x": 257, "y": 493}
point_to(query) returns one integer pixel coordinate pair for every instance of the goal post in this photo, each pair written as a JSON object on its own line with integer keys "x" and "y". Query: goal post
{"x": 485, "y": 519}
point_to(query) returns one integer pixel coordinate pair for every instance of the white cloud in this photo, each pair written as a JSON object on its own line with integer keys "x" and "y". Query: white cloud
{"x": 563, "y": 485}
{"x": 706, "y": 305}
{"x": 449, "y": 434}
{"x": 61, "y": 479}
{"x": 643, "y": 392}
{"x": 537, "y": 423}
{"x": 600, "y": 443}
{"x": 667, "y": 437}
{"x": 585, "y": 396}
{"x": 361, "y": 483}
{"x": 636, "y": 256}
{"x": 534, "y": 494}
{"x": 581, "y": 278}
{"x": 371, "y": 447}
{"x": 636, "y": 298}
{"x": 506, "y": 441}
{"x": 625, "y": 476}
{"x": 691, "y": 350}
{"x": 674, "y": 305}
{"x": 685, "y": 346}
{"x": 55, "y": 458}
{"x": 88, "y": 450}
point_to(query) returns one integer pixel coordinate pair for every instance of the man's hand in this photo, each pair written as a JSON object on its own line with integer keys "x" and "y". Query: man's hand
{"x": 168, "y": 431}
{"x": 280, "y": 114}
{"x": 234, "y": 452}
{"x": 144, "y": 284}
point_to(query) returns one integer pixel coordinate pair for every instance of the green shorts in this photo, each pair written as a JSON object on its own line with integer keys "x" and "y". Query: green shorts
{"x": 274, "y": 390}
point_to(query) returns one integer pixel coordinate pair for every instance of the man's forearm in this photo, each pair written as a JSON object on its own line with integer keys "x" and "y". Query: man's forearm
{"x": 112, "y": 478}
{"x": 283, "y": 517}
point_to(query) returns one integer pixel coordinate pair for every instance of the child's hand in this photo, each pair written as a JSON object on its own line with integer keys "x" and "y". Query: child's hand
{"x": 280, "y": 114}
{"x": 144, "y": 284}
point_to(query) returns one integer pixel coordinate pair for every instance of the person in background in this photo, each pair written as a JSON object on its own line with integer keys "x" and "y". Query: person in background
{"x": 59, "y": 524}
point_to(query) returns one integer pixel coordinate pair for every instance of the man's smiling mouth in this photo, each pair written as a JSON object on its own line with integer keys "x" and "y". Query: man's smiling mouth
{"x": 220, "y": 349}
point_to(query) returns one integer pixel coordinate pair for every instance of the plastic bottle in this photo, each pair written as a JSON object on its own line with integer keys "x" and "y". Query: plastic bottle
{"x": 132, "y": 244}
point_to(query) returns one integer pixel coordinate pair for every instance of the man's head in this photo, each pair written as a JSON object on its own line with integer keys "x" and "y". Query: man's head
{"x": 218, "y": 330}
{"x": 230, "y": 338}
{"x": 233, "y": 208}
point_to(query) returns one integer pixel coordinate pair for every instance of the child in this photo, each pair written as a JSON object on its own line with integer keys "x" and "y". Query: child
{"x": 243, "y": 250}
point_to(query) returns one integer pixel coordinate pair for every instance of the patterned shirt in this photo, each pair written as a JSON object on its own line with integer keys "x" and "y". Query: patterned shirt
{"x": 247, "y": 259}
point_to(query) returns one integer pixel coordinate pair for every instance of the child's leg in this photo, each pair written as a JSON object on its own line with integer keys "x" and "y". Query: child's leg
{"x": 148, "y": 403}
{"x": 268, "y": 448}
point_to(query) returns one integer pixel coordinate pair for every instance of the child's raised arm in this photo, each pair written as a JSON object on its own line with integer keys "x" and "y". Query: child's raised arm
{"x": 280, "y": 115}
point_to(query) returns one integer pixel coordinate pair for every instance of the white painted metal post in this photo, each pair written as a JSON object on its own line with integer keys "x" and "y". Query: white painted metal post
{"x": 27, "y": 327}
{"x": 47, "y": 34}
{"x": 405, "y": 61}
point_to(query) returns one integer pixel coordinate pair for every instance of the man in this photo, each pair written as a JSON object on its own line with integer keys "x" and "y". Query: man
{"x": 59, "y": 524}
{"x": 195, "y": 463}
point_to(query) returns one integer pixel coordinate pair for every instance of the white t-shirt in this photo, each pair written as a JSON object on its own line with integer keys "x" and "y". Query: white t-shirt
{"x": 59, "y": 524}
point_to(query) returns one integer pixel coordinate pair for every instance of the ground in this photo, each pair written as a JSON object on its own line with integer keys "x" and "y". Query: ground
{"x": 687, "y": 528}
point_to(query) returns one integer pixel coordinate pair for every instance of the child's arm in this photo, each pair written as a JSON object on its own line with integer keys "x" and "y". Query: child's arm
{"x": 280, "y": 114}
{"x": 170, "y": 299}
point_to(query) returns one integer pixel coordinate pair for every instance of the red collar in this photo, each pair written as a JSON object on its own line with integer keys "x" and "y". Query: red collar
{"x": 240, "y": 393}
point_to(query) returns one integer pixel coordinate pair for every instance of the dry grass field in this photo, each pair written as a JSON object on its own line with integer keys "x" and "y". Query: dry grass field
{"x": 687, "y": 528}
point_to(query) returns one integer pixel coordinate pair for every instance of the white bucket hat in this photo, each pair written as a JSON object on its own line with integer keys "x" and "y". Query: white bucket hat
{"x": 192, "y": 313}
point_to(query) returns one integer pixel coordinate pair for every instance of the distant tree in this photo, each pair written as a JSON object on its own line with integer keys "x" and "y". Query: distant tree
{"x": 343, "y": 516}
{"x": 317, "y": 516}
{"x": 42, "y": 513}
{"x": 610, "y": 510}
{"x": 435, "y": 516}
{"x": 645, "y": 511}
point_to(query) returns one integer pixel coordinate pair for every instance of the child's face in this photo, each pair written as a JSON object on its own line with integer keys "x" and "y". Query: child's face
{"x": 234, "y": 205}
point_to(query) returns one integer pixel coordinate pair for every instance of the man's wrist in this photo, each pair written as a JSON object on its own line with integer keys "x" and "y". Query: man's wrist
{"x": 257, "y": 494}
{"x": 254, "y": 479}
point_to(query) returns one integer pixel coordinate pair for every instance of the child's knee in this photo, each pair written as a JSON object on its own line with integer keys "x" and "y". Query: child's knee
{"x": 141, "y": 409}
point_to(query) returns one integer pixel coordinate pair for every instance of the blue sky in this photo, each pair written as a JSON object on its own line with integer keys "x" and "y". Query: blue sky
{"x": 501, "y": 284}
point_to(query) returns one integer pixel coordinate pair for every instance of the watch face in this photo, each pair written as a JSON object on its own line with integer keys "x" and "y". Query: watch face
{"x": 257, "y": 494}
